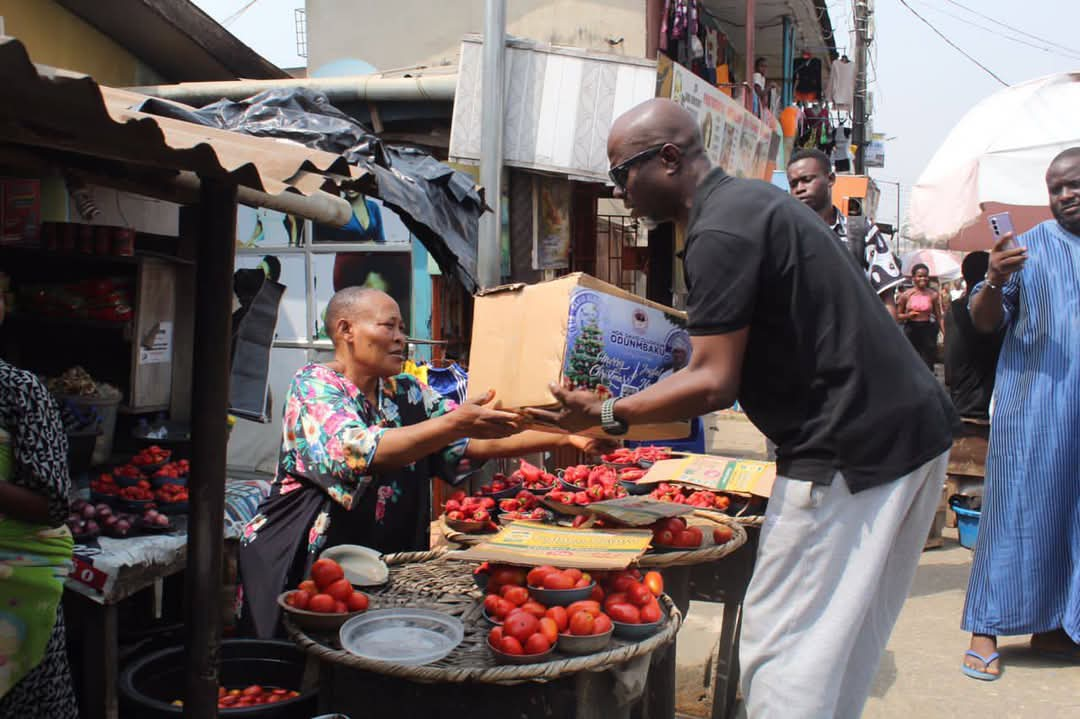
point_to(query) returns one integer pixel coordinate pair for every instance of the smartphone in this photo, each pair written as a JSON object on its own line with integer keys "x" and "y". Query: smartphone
{"x": 1000, "y": 224}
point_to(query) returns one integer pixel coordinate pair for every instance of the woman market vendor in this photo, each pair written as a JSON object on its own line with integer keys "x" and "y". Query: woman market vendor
{"x": 360, "y": 446}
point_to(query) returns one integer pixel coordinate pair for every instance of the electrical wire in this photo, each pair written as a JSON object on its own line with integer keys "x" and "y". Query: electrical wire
{"x": 956, "y": 47}
{"x": 236, "y": 15}
{"x": 1014, "y": 29}
{"x": 1044, "y": 48}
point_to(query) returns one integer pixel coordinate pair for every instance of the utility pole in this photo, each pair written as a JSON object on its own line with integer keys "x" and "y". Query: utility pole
{"x": 489, "y": 245}
{"x": 858, "y": 121}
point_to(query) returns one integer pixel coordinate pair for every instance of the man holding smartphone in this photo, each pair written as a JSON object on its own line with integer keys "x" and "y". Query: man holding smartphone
{"x": 1025, "y": 577}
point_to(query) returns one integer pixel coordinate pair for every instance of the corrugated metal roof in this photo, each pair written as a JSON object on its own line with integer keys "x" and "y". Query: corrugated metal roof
{"x": 42, "y": 107}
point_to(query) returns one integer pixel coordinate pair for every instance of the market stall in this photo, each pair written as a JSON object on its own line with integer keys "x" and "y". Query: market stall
{"x": 55, "y": 124}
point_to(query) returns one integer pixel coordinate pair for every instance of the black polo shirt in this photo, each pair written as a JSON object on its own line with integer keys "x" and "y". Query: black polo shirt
{"x": 827, "y": 375}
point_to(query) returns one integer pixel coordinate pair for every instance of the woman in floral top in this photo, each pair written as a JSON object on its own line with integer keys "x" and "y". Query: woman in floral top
{"x": 360, "y": 446}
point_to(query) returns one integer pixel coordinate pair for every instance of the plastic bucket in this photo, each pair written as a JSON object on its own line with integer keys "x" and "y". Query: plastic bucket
{"x": 106, "y": 409}
{"x": 967, "y": 523}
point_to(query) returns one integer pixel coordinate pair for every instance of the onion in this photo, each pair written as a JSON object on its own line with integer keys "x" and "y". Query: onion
{"x": 123, "y": 527}
{"x": 103, "y": 510}
{"x": 109, "y": 522}
{"x": 88, "y": 511}
{"x": 91, "y": 527}
{"x": 77, "y": 506}
{"x": 161, "y": 520}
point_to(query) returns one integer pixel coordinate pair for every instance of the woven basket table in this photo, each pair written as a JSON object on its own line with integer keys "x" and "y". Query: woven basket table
{"x": 427, "y": 580}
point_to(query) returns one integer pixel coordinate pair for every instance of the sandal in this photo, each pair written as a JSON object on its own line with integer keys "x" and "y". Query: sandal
{"x": 982, "y": 675}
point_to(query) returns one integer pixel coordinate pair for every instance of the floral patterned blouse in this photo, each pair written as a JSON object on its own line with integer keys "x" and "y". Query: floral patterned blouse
{"x": 325, "y": 493}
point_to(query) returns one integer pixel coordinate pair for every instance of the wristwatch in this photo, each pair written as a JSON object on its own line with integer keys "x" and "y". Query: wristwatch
{"x": 988, "y": 283}
{"x": 609, "y": 422}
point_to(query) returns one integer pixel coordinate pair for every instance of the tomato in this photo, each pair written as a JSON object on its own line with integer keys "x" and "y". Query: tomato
{"x": 340, "y": 590}
{"x": 252, "y": 691}
{"x": 622, "y": 582}
{"x": 491, "y": 603}
{"x": 601, "y": 624}
{"x": 495, "y": 637}
{"x": 508, "y": 575}
{"x": 536, "y": 575}
{"x": 585, "y": 605}
{"x": 325, "y": 572}
{"x": 510, "y": 645}
{"x": 537, "y": 644}
{"x": 639, "y": 594}
{"x": 573, "y": 573}
{"x": 234, "y": 692}
{"x": 689, "y": 537}
{"x": 299, "y": 599}
{"x": 615, "y": 598}
{"x": 221, "y": 692}
{"x": 323, "y": 603}
{"x": 534, "y": 608}
{"x": 581, "y": 624}
{"x": 672, "y": 524}
{"x": 549, "y": 629}
{"x": 650, "y": 613}
{"x": 581, "y": 583}
{"x": 655, "y": 582}
{"x": 597, "y": 593}
{"x": 521, "y": 625}
{"x": 503, "y": 608}
{"x": 516, "y": 595}
{"x": 558, "y": 580}
{"x": 559, "y": 616}
{"x": 722, "y": 535}
{"x": 357, "y": 602}
{"x": 625, "y": 613}
{"x": 340, "y": 607}
{"x": 228, "y": 700}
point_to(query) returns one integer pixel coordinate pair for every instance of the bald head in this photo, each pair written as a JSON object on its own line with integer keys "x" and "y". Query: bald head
{"x": 354, "y": 303}
{"x": 653, "y": 122}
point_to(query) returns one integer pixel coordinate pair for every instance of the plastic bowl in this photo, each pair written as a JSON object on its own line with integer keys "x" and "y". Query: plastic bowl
{"x": 490, "y": 619}
{"x": 633, "y": 488}
{"x": 636, "y": 632}
{"x": 149, "y": 469}
{"x": 172, "y": 507}
{"x": 363, "y": 566}
{"x": 162, "y": 481}
{"x": 504, "y": 658}
{"x": 326, "y": 622}
{"x": 561, "y": 597}
{"x": 508, "y": 493}
{"x": 402, "y": 635}
{"x": 122, "y": 481}
{"x": 571, "y": 644}
{"x": 134, "y": 506}
{"x": 539, "y": 491}
{"x": 467, "y": 526}
{"x": 570, "y": 487}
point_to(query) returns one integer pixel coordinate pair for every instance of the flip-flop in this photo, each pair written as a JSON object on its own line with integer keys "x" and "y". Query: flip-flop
{"x": 975, "y": 673}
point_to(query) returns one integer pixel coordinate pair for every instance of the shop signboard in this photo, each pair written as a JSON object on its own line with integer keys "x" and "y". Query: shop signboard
{"x": 734, "y": 138}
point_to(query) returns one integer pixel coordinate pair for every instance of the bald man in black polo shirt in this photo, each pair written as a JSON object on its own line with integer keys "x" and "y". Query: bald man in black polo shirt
{"x": 782, "y": 319}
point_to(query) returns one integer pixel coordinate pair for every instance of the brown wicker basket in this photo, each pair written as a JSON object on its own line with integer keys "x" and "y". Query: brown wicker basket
{"x": 425, "y": 579}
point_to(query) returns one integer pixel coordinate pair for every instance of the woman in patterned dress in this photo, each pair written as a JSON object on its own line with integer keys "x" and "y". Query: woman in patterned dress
{"x": 35, "y": 551}
{"x": 361, "y": 444}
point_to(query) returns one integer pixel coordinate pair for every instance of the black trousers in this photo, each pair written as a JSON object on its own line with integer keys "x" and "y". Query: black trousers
{"x": 923, "y": 337}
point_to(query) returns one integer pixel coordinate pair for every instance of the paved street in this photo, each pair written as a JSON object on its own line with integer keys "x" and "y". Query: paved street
{"x": 920, "y": 670}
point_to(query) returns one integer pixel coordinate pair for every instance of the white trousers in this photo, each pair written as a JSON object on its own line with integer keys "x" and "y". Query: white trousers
{"x": 833, "y": 570}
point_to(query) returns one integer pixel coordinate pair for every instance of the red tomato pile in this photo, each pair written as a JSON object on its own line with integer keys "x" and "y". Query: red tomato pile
{"x": 174, "y": 470}
{"x": 250, "y": 696}
{"x": 170, "y": 493}
{"x": 586, "y": 618}
{"x": 548, "y": 577}
{"x": 128, "y": 471}
{"x": 105, "y": 484}
{"x": 531, "y": 477}
{"x": 138, "y": 493}
{"x": 702, "y": 498}
{"x": 625, "y": 455}
{"x": 327, "y": 591}
{"x": 151, "y": 455}
{"x": 462, "y": 508}
{"x": 631, "y": 598}
{"x": 524, "y": 633}
{"x": 674, "y": 532}
{"x": 595, "y": 484}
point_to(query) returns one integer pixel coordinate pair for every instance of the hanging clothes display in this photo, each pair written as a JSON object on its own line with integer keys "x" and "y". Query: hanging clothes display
{"x": 842, "y": 84}
{"x": 841, "y": 154}
{"x": 450, "y": 382}
{"x": 807, "y": 73}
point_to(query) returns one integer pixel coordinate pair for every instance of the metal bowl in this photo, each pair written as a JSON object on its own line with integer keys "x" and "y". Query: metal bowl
{"x": 326, "y": 622}
{"x": 560, "y": 597}
{"x": 633, "y": 488}
{"x": 504, "y": 658}
{"x": 636, "y": 632}
{"x": 571, "y": 644}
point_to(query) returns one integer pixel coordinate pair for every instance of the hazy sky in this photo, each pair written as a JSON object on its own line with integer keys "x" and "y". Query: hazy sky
{"x": 922, "y": 86}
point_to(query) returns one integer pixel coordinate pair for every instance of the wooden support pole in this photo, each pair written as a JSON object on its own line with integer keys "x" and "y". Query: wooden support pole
{"x": 216, "y": 247}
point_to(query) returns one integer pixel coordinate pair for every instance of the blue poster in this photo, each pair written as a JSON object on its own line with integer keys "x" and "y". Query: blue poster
{"x": 617, "y": 347}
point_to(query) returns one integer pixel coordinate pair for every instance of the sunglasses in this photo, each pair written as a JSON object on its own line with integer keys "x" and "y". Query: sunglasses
{"x": 621, "y": 172}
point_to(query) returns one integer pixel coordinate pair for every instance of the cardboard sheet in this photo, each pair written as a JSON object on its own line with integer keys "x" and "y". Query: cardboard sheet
{"x": 534, "y": 544}
{"x": 725, "y": 474}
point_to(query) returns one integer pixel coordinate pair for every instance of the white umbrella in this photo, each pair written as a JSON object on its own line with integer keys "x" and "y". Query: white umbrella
{"x": 995, "y": 160}
{"x": 941, "y": 263}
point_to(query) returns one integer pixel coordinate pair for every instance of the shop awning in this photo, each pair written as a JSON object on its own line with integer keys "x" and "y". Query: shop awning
{"x": 54, "y": 113}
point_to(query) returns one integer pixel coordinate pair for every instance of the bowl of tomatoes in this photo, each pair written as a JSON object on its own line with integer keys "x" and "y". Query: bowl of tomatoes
{"x": 324, "y": 601}
{"x": 150, "y": 459}
{"x": 554, "y": 587}
{"x": 171, "y": 473}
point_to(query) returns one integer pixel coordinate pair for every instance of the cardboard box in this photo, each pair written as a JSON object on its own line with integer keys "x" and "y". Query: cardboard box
{"x": 579, "y": 332}
{"x": 532, "y": 544}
